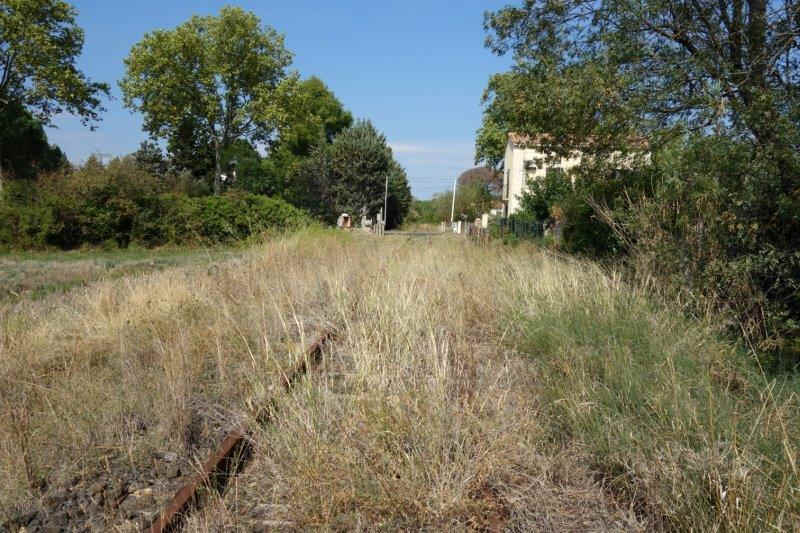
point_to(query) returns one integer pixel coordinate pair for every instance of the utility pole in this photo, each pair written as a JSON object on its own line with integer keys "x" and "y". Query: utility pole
{"x": 453, "y": 207}
{"x": 386, "y": 202}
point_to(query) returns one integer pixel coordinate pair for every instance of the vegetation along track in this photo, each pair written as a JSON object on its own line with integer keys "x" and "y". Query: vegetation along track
{"x": 469, "y": 389}
{"x": 232, "y": 454}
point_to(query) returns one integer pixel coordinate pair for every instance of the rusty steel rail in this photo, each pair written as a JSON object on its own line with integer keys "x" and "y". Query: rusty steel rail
{"x": 232, "y": 454}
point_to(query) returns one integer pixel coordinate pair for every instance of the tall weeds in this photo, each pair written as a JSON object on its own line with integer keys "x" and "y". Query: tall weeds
{"x": 469, "y": 388}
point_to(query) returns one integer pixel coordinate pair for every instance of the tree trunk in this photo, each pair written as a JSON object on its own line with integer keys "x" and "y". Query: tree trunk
{"x": 217, "y": 169}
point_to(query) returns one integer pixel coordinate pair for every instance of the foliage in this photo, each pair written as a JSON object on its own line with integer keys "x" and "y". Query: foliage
{"x": 176, "y": 219}
{"x": 472, "y": 200}
{"x": 314, "y": 116}
{"x": 209, "y": 82}
{"x": 39, "y": 44}
{"x": 121, "y": 203}
{"x": 349, "y": 176}
{"x": 476, "y": 194}
{"x": 544, "y": 195}
{"x": 718, "y": 79}
{"x": 711, "y": 231}
{"x": 191, "y": 149}
{"x": 484, "y": 176}
{"x": 244, "y": 159}
{"x": 150, "y": 159}
{"x": 27, "y": 151}
{"x": 490, "y": 142}
{"x": 423, "y": 212}
{"x": 705, "y": 64}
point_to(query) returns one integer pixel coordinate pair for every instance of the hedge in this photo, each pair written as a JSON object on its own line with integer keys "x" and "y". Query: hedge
{"x": 101, "y": 216}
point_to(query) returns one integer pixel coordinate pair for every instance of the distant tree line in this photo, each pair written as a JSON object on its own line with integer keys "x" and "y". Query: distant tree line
{"x": 477, "y": 191}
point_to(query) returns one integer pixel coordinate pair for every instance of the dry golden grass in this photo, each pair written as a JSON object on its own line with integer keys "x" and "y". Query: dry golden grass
{"x": 468, "y": 389}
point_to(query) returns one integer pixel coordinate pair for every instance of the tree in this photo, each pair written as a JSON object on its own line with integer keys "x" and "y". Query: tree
{"x": 544, "y": 194}
{"x": 190, "y": 149}
{"x": 399, "y": 200}
{"x": 350, "y": 174}
{"x": 483, "y": 176}
{"x": 150, "y": 158}
{"x": 717, "y": 79}
{"x": 39, "y": 43}
{"x": 314, "y": 116}
{"x": 490, "y": 141}
{"x": 244, "y": 159}
{"x": 32, "y": 153}
{"x": 222, "y": 77}
{"x": 572, "y": 103}
{"x": 472, "y": 200}
{"x": 733, "y": 65}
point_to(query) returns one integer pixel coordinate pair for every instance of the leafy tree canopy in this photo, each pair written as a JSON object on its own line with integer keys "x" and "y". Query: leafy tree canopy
{"x": 314, "y": 116}
{"x": 29, "y": 152}
{"x": 150, "y": 158}
{"x": 210, "y": 80}
{"x": 654, "y": 64}
{"x": 483, "y": 176}
{"x": 39, "y": 43}
{"x": 349, "y": 176}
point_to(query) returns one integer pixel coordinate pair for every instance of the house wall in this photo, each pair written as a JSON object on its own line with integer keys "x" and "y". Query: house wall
{"x": 515, "y": 175}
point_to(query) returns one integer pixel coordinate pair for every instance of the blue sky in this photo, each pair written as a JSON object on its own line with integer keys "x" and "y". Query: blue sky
{"x": 416, "y": 69}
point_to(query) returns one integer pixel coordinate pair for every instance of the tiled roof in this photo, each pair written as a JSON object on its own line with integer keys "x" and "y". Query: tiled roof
{"x": 525, "y": 141}
{"x": 521, "y": 139}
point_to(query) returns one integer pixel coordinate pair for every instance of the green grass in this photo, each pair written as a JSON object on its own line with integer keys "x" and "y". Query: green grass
{"x": 680, "y": 424}
{"x": 34, "y": 275}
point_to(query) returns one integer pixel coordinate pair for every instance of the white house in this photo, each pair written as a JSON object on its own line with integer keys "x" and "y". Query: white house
{"x": 525, "y": 159}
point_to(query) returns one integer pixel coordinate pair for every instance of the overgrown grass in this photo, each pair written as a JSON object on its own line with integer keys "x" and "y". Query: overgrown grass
{"x": 675, "y": 421}
{"x": 469, "y": 388}
{"x": 32, "y": 275}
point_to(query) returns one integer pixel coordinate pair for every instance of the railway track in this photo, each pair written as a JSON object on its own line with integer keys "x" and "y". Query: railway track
{"x": 233, "y": 453}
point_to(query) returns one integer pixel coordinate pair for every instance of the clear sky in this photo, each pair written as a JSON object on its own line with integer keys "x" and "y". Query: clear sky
{"x": 416, "y": 69}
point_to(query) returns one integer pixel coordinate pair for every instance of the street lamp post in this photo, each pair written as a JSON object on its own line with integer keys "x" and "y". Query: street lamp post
{"x": 386, "y": 201}
{"x": 453, "y": 207}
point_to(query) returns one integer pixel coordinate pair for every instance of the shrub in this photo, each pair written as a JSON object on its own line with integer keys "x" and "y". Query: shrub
{"x": 720, "y": 233}
{"x": 120, "y": 203}
{"x": 24, "y": 227}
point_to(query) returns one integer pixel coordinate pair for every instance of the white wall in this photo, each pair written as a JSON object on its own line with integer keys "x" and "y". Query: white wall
{"x": 515, "y": 175}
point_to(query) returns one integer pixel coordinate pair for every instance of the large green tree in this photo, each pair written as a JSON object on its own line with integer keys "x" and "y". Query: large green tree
{"x": 350, "y": 176}
{"x": 30, "y": 152}
{"x": 39, "y": 44}
{"x": 211, "y": 79}
{"x": 314, "y": 116}
{"x": 702, "y": 64}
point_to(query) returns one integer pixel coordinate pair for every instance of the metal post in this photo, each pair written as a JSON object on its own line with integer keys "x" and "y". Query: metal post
{"x": 386, "y": 199}
{"x": 453, "y": 207}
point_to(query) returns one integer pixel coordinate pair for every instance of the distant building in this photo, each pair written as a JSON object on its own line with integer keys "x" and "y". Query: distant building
{"x": 526, "y": 159}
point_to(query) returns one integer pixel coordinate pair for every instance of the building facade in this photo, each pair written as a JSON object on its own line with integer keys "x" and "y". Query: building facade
{"x": 525, "y": 160}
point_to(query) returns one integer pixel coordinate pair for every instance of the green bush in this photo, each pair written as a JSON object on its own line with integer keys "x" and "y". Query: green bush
{"x": 722, "y": 232}
{"x": 218, "y": 219}
{"x": 121, "y": 204}
{"x": 24, "y": 227}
